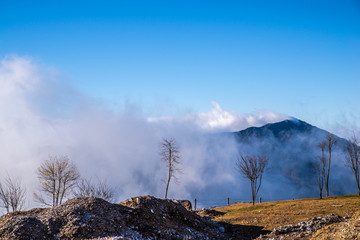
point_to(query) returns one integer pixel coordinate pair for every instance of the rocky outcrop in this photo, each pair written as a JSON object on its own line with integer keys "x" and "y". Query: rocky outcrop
{"x": 87, "y": 218}
{"x": 349, "y": 229}
{"x": 302, "y": 229}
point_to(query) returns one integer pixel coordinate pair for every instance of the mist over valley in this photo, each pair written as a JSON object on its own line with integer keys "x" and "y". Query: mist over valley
{"x": 41, "y": 117}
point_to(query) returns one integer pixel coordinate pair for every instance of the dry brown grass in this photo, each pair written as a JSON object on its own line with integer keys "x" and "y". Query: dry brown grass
{"x": 274, "y": 214}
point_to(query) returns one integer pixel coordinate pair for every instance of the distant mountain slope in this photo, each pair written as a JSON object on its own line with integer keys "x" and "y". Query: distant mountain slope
{"x": 284, "y": 131}
{"x": 292, "y": 146}
{"x": 281, "y": 130}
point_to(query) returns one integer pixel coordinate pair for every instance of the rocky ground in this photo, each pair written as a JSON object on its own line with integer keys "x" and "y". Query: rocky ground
{"x": 93, "y": 218}
{"x": 147, "y": 217}
{"x": 349, "y": 229}
{"x": 303, "y": 230}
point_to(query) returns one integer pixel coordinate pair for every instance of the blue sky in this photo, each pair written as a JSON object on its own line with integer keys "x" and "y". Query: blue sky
{"x": 300, "y": 58}
{"x": 103, "y": 81}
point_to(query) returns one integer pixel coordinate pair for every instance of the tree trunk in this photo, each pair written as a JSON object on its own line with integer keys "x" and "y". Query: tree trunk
{"x": 328, "y": 174}
{"x": 58, "y": 192}
{"x": 358, "y": 185}
{"x": 167, "y": 187}
{"x": 323, "y": 164}
{"x": 169, "y": 178}
{"x": 253, "y": 192}
{"x": 53, "y": 192}
{"x": 63, "y": 192}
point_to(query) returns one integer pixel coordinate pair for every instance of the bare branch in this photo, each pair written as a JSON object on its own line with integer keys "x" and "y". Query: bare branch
{"x": 170, "y": 154}
{"x": 57, "y": 177}
{"x": 4, "y": 198}
{"x": 353, "y": 159}
{"x": 12, "y": 194}
{"x": 330, "y": 142}
{"x": 319, "y": 168}
{"x": 85, "y": 188}
{"x": 252, "y": 167}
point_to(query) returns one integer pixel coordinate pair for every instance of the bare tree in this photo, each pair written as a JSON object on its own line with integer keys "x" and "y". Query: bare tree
{"x": 319, "y": 168}
{"x": 57, "y": 176}
{"x": 4, "y": 198}
{"x": 252, "y": 167}
{"x": 12, "y": 195}
{"x": 170, "y": 154}
{"x": 353, "y": 159}
{"x": 85, "y": 188}
{"x": 330, "y": 141}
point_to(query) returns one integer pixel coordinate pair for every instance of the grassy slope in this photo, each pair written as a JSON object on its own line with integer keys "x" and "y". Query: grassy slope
{"x": 274, "y": 214}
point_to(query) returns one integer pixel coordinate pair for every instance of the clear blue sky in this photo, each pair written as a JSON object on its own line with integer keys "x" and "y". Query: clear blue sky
{"x": 296, "y": 57}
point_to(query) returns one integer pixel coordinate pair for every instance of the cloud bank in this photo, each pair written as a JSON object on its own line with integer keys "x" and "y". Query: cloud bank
{"x": 41, "y": 116}
{"x": 219, "y": 120}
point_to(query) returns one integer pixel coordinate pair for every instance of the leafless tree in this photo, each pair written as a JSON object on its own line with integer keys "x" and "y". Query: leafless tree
{"x": 353, "y": 159}
{"x": 12, "y": 195}
{"x": 85, "y": 188}
{"x": 252, "y": 167}
{"x": 57, "y": 176}
{"x": 170, "y": 154}
{"x": 4, "y": 198}
{"x": 330, "y": 141}
{"x": 319, "y": 168}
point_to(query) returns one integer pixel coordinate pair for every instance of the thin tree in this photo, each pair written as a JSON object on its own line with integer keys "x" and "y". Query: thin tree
{"x": 57, "y": 177}
{"x": 12, "y": 195}
{"x": 170, "y": 154}
{"x": 4, "y": 198}
{"x": 86, "y": 188}
{"x": 353, "y": 159}
{"x": 319, "y": 168}
{"x": 252, "y": 167}
{"x": 330, "y": 141}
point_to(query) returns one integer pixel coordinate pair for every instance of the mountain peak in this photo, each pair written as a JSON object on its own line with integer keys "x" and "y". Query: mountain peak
{"x": 290, "y": 124}
{"x": 293, "y": 147}
{"x": 281, "y": 130}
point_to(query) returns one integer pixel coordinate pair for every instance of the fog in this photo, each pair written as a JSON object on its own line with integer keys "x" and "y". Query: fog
{"x": 40, "y": 116}
{"x": 290, "y": 174}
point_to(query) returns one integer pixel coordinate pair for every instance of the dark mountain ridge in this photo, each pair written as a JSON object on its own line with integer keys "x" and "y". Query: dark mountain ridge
{"x": 285, "y": 131}
{"x": 293, "y": 147}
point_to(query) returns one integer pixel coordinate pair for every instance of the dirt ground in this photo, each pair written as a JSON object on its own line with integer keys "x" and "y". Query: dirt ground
{"x": 143, "y": 217}
{"x": 344, "y": 230}
{"x": 270, "y": 215}
{"x": 147, "y": 217}
{"x": 265, "y": 217}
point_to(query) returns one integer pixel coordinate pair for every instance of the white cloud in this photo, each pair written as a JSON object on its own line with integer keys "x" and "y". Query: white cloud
{"x": 40, "y": 116}
{"x": 218, "y": 119}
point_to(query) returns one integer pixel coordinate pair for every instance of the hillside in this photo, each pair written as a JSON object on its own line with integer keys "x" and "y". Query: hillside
{"x": 264, "y": 217}
{"x": 293, "y": 146}
{"x": 147, "y": 217}
{"x": 143, "y": 217}
{"x": 285, "y": 131}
